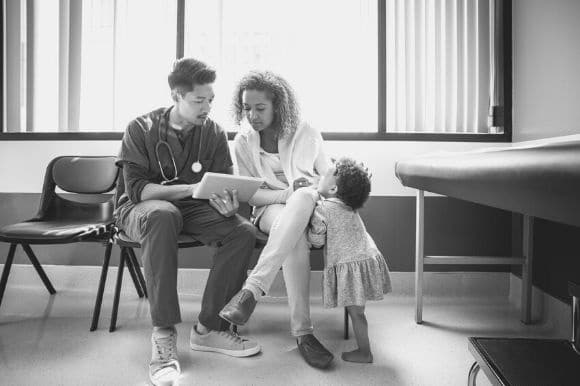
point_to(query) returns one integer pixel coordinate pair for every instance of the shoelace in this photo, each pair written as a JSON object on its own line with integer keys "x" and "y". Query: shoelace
{"x": 233, "y": 336}
{"x": 166, "y": 347}
{"x": 239, "y": 337}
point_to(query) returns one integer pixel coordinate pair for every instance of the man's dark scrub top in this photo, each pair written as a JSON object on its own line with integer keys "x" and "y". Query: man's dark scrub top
{"x": 139, "y": 160}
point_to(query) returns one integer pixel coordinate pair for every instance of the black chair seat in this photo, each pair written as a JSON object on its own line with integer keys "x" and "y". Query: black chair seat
{"x": 52, "y": 232}
{"x": 184, "y": 241}
{"x": 520, "y": 361}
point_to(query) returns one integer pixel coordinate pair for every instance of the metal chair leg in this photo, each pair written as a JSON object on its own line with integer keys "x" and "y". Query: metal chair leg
{"x": 113, "y": 324}
{"x": 99, "y": 300}
{"x": 473, "y": 374}
{"x": 38, "y": 268}
{"x": 137, "y": 266}
{"x": 131, "y": 268}
{"x": 345, "y": 324}
{"x": 6, "y": 270}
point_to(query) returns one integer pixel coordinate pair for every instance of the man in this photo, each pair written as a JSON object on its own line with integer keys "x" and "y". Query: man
{"x": 164, "y": 155}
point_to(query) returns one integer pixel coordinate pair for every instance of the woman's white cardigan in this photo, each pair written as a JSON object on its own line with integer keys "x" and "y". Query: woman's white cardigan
{"x": 301, "y": 155}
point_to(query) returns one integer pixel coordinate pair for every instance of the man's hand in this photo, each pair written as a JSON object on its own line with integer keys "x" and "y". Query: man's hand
{"x": 300, "y": 183}
{"x": 227, "y": 204}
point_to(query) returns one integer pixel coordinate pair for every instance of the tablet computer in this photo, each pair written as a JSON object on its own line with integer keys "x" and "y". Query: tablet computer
{"x": 217, "y": 182}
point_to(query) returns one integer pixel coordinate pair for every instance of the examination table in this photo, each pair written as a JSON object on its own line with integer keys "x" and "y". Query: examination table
{"x": 538, "y": 179}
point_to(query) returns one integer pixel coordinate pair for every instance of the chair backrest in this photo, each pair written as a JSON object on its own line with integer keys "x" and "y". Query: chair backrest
{"x": 94, "y": 175}
{"x": 88, "y": 175}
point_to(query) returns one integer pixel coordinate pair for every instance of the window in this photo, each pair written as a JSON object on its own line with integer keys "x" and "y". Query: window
{"x": 329, "y": 58}
{"x": 361, "y": 69}
{"x": 131, "y": 43}
{"x": 438, "y": 66}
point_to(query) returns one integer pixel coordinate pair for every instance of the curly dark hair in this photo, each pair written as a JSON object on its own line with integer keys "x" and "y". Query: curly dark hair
{"x": 286, "y": 111}
{"x": 353, "y": 182}
{"x": 188, "y": 72}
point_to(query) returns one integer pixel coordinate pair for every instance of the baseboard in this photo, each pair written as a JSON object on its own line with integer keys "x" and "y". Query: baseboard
{"x": 192, "y": 281}
{"x": 552, "y": 313}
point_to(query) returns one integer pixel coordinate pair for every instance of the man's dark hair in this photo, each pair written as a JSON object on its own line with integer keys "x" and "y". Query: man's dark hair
{"x": 353, "y": 182}
{"x": 188, "y": 72}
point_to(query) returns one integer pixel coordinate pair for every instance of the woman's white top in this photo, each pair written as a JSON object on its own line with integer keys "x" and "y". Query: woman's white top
{"x": 272, "y": 161}
{"x": 301, "y": 155}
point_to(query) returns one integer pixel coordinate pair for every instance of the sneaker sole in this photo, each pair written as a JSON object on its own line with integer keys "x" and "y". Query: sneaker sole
{"x": 234, "y": 322}
{"x": 165, "y": 380}
{"x": 232, "y": 353}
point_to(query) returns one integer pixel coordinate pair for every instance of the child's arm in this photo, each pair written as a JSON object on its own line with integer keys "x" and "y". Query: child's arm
{"x": 317, "y": 228}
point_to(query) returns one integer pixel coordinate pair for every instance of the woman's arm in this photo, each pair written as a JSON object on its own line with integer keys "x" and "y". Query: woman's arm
{"x": 322, "y": 161}
{"x": 265, "y": 196}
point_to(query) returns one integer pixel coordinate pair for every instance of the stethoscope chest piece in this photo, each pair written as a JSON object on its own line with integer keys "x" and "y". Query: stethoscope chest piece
{"x": 196, "y": 167}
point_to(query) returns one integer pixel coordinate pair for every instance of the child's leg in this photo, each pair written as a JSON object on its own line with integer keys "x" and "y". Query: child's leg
{"x": 359, "y": 325}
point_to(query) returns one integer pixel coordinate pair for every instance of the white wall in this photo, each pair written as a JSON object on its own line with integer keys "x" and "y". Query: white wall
{"x": 546, "y": 68}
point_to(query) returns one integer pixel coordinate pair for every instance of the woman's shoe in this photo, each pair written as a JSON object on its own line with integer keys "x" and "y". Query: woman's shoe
{"x": 313, "y": 352}
{"x": 240, "y": 308}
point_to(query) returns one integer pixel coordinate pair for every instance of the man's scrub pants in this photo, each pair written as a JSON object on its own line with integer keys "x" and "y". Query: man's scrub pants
{"x": 156, "y": 224}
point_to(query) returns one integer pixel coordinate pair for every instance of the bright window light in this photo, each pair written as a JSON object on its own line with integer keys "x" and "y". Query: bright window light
{"x": 127, "y": 50}
{"x": 326, "y": 49}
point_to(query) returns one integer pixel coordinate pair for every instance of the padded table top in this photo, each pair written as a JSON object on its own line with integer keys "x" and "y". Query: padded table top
{"x": 525, "y": 362}
{"x": 537, "y": 180}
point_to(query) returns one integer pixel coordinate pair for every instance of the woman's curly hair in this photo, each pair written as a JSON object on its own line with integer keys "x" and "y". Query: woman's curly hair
{"x": 353, "y": 182}
{"x": 286, "y": 111}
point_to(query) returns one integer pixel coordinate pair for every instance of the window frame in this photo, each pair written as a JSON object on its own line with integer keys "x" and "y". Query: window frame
{"x": 380, "y": 135}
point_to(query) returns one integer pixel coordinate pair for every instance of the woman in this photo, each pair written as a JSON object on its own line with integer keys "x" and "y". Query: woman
{"x": 275, "y": 145}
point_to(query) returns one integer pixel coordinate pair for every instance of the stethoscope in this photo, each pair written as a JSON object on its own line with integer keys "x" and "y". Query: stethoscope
{"x": 196, "y": 167}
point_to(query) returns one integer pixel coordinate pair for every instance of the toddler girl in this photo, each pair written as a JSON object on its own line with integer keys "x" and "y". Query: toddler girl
{"x": 355, "y": 271}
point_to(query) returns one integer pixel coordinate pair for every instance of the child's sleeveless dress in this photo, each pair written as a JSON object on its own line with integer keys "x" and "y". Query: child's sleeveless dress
{"x": 355, "y": 270}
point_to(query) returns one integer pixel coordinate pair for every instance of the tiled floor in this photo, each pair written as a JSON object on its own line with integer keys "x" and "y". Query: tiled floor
{"x": 45, "y": 340}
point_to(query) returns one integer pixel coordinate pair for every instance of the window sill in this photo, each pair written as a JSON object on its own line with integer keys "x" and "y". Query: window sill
{"x": 328, "y": 136}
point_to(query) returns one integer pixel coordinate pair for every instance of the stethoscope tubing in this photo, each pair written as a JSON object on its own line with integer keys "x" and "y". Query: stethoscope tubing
{"x": 196, "y": 167}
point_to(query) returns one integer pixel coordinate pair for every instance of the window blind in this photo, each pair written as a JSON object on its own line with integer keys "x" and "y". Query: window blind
{"x": 438, "y": 66}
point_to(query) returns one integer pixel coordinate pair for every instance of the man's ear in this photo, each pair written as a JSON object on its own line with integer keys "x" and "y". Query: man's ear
{"x": 175, "y": 95}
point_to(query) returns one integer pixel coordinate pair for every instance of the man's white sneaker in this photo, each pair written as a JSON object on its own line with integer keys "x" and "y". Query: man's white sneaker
{"x": 164, "y": 367}
{"x": 224, "y": 342}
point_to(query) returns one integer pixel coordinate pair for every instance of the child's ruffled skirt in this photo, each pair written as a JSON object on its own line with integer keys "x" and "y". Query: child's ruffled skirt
{"x": 354, "y": 282}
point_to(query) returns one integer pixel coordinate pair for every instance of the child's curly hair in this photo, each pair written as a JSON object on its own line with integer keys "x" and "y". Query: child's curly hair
{"x": 353, "y": 182}
{"x": 286, "y": 111}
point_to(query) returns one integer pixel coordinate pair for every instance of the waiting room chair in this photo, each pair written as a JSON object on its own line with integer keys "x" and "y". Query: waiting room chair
{"x": 61, "y": 220}
{"x": 128, "y": 257}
